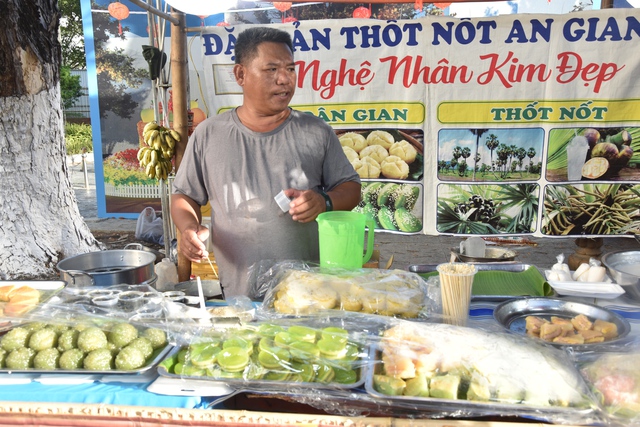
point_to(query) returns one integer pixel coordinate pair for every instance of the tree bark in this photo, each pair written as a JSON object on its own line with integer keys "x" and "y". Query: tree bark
{"x": 40, "y": 223}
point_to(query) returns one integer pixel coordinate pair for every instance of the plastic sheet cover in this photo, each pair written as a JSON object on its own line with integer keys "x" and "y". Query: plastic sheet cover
{"x": 614, "y": 377}
{"x": 356, "y": 363}
{"x": 297, "y": 288}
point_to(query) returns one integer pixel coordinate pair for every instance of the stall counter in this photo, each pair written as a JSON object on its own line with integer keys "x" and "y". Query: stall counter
{"x": 51, "y": 414}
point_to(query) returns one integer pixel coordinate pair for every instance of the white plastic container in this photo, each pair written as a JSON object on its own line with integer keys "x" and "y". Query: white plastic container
{"x": 167, "y": 273}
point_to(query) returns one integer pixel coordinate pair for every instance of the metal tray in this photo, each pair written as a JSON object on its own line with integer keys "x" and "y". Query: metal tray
{"x": 493, "y": 255}
{"x": 489, "y": 266}
{"x": 154, "y": 359}
{"x": 440, "y": 405}
{"x": 271, "y": 384}
{"x": 47, "y": 288}
{"x": 511, "y": 315}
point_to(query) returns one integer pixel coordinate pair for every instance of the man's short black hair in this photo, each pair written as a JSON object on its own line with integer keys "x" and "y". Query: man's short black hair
{"x": 249, "y": 40}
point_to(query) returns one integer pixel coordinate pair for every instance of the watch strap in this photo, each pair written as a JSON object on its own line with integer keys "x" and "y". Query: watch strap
{"x": 327, "y": 201}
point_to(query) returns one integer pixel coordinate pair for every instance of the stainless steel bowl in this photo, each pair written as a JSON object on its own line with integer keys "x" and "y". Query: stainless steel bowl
{"x": 624, "y": 268}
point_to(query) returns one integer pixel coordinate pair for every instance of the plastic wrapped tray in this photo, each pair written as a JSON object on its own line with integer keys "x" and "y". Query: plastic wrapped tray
{"x": 152, "y": 362}
{"x": 289, "y": 357}
{"x": 65, "y": 334}
{"x": 163, "y": 370}
{"x": 491, "y": 374}
{"x": 614, "y": 378}
{"x": 473, "y": 408}
{"x": 47, "y": 290}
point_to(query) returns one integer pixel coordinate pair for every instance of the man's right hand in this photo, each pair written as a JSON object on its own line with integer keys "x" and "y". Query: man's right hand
{"x": 192, "y": 245}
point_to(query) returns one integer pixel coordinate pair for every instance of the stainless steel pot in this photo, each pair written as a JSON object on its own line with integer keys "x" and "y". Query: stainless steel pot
{"x": 107, "y": 268}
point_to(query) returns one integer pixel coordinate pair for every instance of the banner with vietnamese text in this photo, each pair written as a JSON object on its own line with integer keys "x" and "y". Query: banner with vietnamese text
{"x": 510, "y": 125}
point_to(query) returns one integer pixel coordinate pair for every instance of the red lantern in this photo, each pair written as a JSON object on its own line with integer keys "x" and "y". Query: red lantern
{"x": 362, "y": 12}
{"x": 118, "y": 11}
{"x": 222, "y": 24}
{"x": 282, "y": 6}
{"x": 418, "y": 5}
{"x": 289, "y": 19}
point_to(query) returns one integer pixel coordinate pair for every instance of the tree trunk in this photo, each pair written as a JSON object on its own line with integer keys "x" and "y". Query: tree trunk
{"x": 39, "y": 219}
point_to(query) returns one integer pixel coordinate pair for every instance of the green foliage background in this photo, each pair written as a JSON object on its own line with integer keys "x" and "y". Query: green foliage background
{"x": 78, "y": 136}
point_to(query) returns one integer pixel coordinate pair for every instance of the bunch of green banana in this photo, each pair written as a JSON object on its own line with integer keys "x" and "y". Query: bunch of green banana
{"x": 390, "y": 205}
{"x": 158, "y": 149}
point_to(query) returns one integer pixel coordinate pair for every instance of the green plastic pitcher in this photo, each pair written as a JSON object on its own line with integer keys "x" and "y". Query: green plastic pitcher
{"x": 341, "y": 239}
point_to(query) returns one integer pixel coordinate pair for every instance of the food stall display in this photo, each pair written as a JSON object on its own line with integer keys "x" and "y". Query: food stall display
{"x": 373, "y": 362}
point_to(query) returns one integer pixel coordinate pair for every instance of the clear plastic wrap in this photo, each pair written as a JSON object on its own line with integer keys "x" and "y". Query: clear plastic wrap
{"x": 140, "y": 305}
{"x": 295, "y": 288}
{"x": 296, "y": 356}
{"x": 72, "y": 343}
{"x": 17, "y": 298}
{"x": 438, "y": 370}
{"x": 614, "y": 377}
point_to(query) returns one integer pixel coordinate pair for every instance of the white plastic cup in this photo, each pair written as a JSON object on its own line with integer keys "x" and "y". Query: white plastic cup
{"x": 283, "y": 201}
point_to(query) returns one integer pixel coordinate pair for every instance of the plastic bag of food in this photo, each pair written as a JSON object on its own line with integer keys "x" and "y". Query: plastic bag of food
{"x": 300, "y": 289}
{"x": 615, "y": 379}
{"x": 559, "y": 271}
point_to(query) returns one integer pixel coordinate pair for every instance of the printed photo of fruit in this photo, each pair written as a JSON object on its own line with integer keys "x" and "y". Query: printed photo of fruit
{"x": 393, "y": 206}
{"x": 487, "y": 209}
{"x": 587, "y": 154}
{"x": 482, "y": 155}
{"x": 591, "y": 209}
{"x": 384, "y": 153}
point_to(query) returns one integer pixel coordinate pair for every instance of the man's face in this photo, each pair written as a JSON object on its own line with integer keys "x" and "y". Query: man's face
{"x": 269, "y": 79}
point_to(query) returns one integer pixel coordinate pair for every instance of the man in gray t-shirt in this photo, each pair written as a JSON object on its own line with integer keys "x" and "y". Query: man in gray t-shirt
{"x": 239, "y": 160}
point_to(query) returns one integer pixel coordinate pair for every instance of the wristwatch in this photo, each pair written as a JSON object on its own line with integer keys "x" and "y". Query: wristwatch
{"x": 327, "y": 201}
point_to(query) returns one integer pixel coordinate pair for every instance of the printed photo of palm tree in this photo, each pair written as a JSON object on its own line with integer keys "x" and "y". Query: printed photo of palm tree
{"x": 490, "y": 154}
{"x": 587, "y": 154}
{"x": 487, "y": 209}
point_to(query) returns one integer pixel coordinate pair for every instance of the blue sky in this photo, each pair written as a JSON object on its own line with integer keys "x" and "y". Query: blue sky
{"x": 525, "y": 138}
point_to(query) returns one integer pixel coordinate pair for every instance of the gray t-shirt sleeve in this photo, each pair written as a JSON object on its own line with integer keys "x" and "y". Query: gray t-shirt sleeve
{"x": 189, "y": 179}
